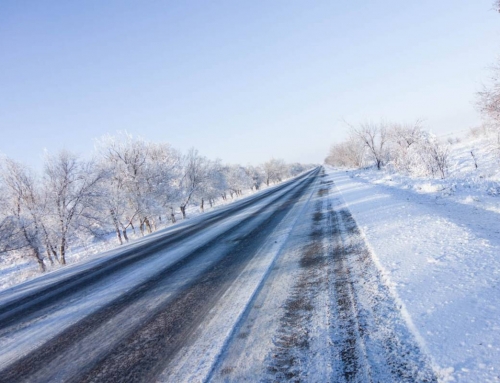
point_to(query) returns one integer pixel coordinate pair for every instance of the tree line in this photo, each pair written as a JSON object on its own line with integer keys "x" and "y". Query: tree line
{"x": 131, "y": 185}
{"x": 406, "y": 148}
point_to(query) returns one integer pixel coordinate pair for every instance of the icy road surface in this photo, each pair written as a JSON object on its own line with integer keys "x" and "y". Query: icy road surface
{"x": 276, "y": 287}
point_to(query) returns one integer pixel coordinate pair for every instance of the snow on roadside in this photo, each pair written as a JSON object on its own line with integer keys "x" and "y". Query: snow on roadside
{"x": 441, "y": 255}
{"x": 465, "y": 184}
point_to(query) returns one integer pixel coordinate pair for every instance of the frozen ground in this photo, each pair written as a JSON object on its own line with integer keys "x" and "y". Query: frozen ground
{"x": 438, "y": 244}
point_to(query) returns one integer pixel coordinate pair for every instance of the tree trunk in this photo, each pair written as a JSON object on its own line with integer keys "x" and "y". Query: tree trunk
{"x": 63, "y": 250}
{"x": 54, "y": 252}
{"x": 141, "y": 227}
{"x": 183, "y": 211}
{"x": 116, "y": 225}
{"x": 148, "y": 225}
{"x": 124, "y": 232}
{"x": 49, "y": 247}
{"x": 172, "y": 215}
{"x": 39, "y": 259}
{"x": 119, "y": 235}
{"x": 49, "y": 256}
{"x": 201, "y": 206}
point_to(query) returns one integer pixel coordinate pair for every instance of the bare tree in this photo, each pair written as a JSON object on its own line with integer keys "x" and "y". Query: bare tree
{"x": 488, "y": 103}
{"x": 404, "y": 139}
{"x": 215, "y": 184}
{"x": 256, "y": 173}
{"x": 374, "y": 138}
{"x": 275, "y": 170}
{"x": 162, "y": 179}
{"x": 195, "y": 175}
{"x": 72, "y": 186}
{"x": 489, "y": 98}
{"x": 237, "y": 179}
{"x": 125, "y": 160}
{"x": 11, "y": 236}
{"x": 434, "y": 156}
{"x": 350, "y": 153}
{"x": 22, "y": 207}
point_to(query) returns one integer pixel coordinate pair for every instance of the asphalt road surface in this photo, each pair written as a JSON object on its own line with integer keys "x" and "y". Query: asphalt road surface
{"x": 275, "y": 287}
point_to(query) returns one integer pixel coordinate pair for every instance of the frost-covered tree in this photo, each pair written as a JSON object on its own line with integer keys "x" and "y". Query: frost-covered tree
{"x": 256, "y": 174}
{"x": 275, "y": 170}
{"x": 489, "y": 97}
{"x": 237, "y": 179}
{"x": 405, "y": 141}
{"x": 24, "y": 207}
{"x": 407, "y": 148}
{"x": 72, "y": 188}
{"x": 125, "y": 160}
{"x": 195, "y": 177}
{"x": 350, "y": 153}
{"x": 215, "y": 185}
{"x": 488, "y": 103}
{"x": 164, "y": 173}
{"x": 296, "y": 168}
{"x": 11, "y": 235}
{"x": 374, "y": 138}
{"x": 435, "y": 156}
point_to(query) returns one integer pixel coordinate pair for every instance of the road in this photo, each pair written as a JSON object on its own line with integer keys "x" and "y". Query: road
{"x": 275, "y": 287}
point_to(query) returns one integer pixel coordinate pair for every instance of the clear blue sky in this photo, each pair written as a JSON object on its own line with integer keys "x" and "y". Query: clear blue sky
{"x": 242, "y": 81}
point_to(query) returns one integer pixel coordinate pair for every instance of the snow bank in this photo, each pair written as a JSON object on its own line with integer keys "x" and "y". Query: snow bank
{"x": 438, "y": 243}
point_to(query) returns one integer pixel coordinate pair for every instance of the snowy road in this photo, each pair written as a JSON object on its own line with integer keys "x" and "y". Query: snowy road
{"x": 277, "y": 287}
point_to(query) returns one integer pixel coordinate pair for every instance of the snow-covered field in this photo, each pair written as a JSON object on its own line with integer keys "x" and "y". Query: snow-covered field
{"x": 438, "y": 244}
